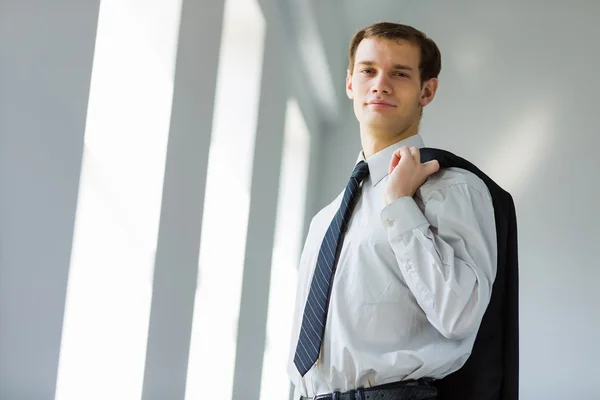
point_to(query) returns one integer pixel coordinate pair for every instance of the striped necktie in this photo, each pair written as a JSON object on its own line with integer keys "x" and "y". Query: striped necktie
{"x": 315, "y": 310}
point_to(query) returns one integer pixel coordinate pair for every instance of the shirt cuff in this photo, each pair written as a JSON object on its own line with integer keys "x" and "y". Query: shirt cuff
{"x": 402, "y": 215}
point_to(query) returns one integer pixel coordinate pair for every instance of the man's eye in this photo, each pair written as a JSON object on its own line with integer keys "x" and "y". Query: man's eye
{"x": 367, "y": 71}
{"x": 401, "y": 74}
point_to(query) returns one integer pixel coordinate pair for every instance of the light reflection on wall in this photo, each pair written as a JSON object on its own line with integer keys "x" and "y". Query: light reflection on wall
{"x": 109, "y": 290}
{"x": 225, "y": 220}
{"x": 286, "y": 253}
{"x": 523, "y": 149}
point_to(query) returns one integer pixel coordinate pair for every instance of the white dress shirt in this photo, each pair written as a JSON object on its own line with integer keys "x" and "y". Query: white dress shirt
{"x": 412, "y": 282}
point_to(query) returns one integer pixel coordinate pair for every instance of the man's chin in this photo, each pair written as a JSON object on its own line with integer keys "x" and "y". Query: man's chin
{"x": 381, "y": 125}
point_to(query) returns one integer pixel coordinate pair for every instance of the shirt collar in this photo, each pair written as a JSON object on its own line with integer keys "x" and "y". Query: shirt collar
{"x": 379, "y": 162}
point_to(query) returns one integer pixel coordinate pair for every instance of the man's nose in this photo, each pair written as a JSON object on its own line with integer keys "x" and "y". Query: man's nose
{"x": 381, "y": 86}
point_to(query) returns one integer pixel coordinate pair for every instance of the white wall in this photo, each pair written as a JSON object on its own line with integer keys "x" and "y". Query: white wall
{"x": 518, "y": 80}
{"x": 46, "y": 55}
{"x": 518, "y": 97}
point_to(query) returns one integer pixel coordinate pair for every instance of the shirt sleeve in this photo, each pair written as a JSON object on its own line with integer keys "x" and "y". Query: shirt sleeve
{"x": 446, "y": 249}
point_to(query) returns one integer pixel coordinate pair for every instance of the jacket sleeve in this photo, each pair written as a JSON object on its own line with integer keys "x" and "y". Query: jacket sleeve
{"x": 445, "y": 244}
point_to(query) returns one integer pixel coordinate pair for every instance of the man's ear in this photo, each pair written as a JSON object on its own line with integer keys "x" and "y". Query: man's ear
{"x": 428, "y": 91}
{"x": 349, "y": 90}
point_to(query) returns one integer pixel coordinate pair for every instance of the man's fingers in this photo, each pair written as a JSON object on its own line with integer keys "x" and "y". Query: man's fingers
{"x": 405, "y": 152}
{"x": 416, "y": 154}
{"x": 413, "y": 153}
{"x": 394, "y": 161}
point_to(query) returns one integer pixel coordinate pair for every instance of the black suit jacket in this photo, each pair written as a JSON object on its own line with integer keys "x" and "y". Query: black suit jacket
{"x": 492, "y": 370}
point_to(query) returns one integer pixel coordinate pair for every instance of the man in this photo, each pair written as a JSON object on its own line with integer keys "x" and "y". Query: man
{"x": 397, "y": 272}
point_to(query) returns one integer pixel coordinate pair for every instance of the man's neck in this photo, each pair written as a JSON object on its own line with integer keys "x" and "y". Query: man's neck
{"x": 373, "y": 143}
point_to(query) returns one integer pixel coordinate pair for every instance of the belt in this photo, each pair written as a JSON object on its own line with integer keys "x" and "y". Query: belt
{"x": 410, "y": 390}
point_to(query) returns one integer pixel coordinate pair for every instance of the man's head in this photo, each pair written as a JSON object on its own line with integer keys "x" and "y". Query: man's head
{"x": 392, "y": 75}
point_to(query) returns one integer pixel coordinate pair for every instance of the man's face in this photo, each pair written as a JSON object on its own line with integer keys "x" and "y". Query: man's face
{"x": 385, "y": 86}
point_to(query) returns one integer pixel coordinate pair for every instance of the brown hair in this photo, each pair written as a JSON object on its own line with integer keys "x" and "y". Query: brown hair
{"x": 430, "y": 63}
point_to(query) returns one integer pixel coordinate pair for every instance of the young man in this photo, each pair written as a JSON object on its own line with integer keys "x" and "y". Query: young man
{"x": 397, "y": 272}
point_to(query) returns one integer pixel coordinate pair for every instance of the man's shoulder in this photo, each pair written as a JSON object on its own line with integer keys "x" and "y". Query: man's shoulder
{"x": 446, "y": 178}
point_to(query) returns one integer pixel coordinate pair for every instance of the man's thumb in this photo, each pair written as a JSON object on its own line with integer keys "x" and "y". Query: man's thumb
{"x": 431, "y": 167}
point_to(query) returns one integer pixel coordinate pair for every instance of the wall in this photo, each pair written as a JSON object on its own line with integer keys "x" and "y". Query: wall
{"x": 45, "y": 74}
{"x": 518, "y": 97}
{"x": 45, "y": 68}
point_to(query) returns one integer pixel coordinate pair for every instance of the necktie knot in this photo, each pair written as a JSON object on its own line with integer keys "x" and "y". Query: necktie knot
{"x": 361, "y": 171}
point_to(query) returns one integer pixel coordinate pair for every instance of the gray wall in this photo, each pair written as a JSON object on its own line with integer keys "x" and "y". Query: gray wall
{"x": 518, "y": 97}
{"x": 46, "y": 51}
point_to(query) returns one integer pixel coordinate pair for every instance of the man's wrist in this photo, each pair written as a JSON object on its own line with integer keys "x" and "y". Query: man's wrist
{"x": 402, "y": 215}
{"x": 391, "y": 197}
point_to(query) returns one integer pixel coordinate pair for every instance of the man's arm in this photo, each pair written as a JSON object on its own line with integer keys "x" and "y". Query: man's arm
{"x": 447, "y": 252}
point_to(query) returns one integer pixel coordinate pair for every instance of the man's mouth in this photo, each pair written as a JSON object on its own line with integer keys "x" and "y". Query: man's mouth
{"x": 380, "y": 104}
